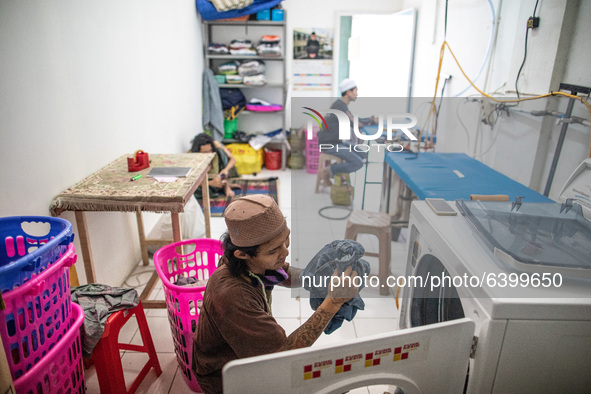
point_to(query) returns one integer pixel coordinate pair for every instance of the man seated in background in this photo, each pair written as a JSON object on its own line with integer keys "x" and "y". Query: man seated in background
{"x": 223, "y": 167}
{"x": 352, "y": 160}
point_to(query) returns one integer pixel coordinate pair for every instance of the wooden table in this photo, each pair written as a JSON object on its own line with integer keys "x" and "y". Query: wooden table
{"x": 110, "y": 189}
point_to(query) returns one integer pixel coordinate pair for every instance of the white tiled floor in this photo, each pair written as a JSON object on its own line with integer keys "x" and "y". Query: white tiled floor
{"x": 310, "y": 233}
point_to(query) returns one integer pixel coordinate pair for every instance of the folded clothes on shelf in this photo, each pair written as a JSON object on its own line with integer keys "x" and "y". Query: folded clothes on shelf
{"x": 219, "y": 49}
{"x": 269, "y": 46}
{"x": 258, "y": 79}
{"x": 228, "y": 68}
{"x": 251, "y": 67}
{"x": 233, "y": 79}
{"x": 242, "y": 47}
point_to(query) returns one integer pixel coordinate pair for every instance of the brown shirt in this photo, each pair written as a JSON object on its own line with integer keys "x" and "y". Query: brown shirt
{"x": 233, "y": 323}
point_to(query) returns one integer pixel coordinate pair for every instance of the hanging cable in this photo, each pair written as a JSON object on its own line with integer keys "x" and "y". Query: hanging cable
{"x": 347, "y": 214}
{"x": 522, "y": 63}
{"x": 493, "y": 30}
{"x": 535, "y": 8}
{"x": 524, "y": 53}
{"x": 441, "y": 100}
{"x": 442, "y": 52}
{"x": 445, "y": 24}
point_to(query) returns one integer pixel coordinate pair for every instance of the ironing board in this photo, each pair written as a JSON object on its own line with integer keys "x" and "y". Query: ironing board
{"x": 450, "y": 176}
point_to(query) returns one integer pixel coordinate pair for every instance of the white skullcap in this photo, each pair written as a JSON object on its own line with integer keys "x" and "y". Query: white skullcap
{"x": 347, "y": 84}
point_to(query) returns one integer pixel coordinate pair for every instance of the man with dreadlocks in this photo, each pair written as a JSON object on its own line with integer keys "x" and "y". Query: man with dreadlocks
{"x": 235, "y": 320}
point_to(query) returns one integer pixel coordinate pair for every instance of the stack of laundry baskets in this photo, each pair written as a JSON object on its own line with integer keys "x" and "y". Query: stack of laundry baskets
{"x": 39, "y": 324}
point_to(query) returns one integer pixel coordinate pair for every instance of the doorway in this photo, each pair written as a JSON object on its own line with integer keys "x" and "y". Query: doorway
{"x": 377, "y": 51}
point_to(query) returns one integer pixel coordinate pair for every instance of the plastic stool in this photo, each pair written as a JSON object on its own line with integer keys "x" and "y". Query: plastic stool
{"x": 106, "y": 356}
{"x": 378, "y": 224}
{"x": 324, "y": 162}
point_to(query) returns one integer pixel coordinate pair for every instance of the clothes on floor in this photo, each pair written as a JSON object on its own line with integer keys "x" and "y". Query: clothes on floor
{"x": 99, "y": 302}
{"x": 340, "y": 255}
{"x": 235, "y": 322}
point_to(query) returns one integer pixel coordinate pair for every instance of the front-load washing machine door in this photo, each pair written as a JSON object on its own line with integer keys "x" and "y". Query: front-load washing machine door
{"x": 426, "y": 359}
{"x": 433, "y": 304}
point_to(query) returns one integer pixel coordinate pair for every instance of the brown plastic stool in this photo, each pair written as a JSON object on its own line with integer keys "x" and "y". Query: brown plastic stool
{"x": 324, "y": 161}
{"x": 106, "y": 356}
{"x": 378, "y": 224}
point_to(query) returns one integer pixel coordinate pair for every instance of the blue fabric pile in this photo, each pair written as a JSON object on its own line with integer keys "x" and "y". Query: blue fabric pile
{"x": 340, "y": 255}
{"x": 209, "y": 12}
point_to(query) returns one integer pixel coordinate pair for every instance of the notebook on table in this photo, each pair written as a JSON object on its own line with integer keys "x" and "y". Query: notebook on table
{"x": 178, "y": 172}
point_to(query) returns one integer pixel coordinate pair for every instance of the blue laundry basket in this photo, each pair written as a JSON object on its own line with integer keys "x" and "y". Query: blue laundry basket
{"x": 29, "y": 245}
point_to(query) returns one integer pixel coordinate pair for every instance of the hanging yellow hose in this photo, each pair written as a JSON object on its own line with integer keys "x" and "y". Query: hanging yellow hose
{"x": 433, "y": 110}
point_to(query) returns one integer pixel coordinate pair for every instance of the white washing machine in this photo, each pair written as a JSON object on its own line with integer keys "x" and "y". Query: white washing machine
{"x": 457, "y": 338}
{"x": 527, "y": 339}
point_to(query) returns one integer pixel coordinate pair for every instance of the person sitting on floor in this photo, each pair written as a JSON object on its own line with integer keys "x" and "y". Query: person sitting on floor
{"x": 218, "y": 179}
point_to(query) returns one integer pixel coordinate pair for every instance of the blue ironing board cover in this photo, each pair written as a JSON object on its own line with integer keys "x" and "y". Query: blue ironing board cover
{"x": 454, "y": 176}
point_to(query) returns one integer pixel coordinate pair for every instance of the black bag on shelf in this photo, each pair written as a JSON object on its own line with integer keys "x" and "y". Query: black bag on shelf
{"x": 232, "y": 98}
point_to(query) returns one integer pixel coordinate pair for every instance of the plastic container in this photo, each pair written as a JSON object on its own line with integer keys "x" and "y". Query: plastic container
{"x": 61, "y": 370}
{"x": 183, "y": 302}
{"x": 272, "y": 159}
{"x": 37, "y": 315}
{"x": 312, "y": 155}
{"x": 30, "y": 244}
{"x": 264, "y": 15}
{"x": 296, "y": 160}
{"x": 277, "y": 15}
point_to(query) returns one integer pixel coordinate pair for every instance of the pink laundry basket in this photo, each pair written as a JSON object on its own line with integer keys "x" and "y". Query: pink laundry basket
{"x": 312, "y": 153}
{"x": 196, "y": 258}
{"x": 61, "y": 370}
{"x": 37, "y": 315}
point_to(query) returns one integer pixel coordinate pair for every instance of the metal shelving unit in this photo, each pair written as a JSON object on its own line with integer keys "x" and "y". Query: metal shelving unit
{"x": 275, "y": 90}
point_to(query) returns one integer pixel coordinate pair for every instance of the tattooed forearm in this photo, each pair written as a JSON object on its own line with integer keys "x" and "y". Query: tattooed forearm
{"x": 309, "y": 332}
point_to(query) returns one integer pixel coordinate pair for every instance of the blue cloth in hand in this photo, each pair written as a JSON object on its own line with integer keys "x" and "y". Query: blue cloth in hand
{"x": 340, "y": 255}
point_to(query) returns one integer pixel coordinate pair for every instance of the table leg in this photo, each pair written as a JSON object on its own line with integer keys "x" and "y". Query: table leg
{"x": 206, "y": 213}
{"x": 150, "y": 304}
{"x": 85, "y": 246}
{"x": 176, "y": 235}
{"x": 176, "y": 226}
{"x": 386, "y": 185}
{"x": 142, "y": 235}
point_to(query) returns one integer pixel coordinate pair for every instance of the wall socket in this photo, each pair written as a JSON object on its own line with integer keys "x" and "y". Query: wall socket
{"x": 533, "y": 22}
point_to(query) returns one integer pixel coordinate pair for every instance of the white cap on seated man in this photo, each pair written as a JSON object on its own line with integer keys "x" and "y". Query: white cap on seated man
{"x": 346, "y": 85}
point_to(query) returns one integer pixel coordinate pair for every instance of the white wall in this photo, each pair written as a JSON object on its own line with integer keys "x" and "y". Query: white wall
{"x": 521, "y": 146}
{"x": 84, "y": 82}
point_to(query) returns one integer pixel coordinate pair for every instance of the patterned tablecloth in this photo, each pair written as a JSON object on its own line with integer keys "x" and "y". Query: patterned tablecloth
{"x": 110, "y": 188}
